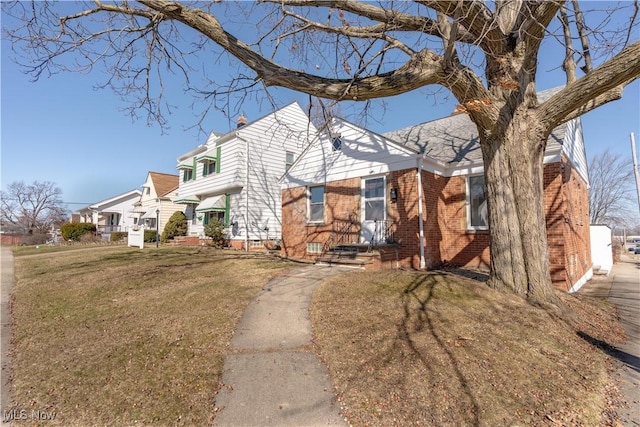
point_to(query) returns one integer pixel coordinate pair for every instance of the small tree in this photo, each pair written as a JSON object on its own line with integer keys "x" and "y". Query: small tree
{"x": 176, "y": 226}
{"x": 215, "y": 230}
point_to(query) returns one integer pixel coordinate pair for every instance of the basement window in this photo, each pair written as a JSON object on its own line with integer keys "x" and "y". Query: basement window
{"x": 314, "y": 248}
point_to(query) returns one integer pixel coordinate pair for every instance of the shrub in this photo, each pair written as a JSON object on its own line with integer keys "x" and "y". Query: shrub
{"x": 35, "y": 239}
{"x": 75, "y": 230}
{"x": 176, "y": 226}
{"x": 91, "y": 238}
{"x": 149, "y": 236}
{"x": 215, "y": 230}
{"x": 116, "y": 236}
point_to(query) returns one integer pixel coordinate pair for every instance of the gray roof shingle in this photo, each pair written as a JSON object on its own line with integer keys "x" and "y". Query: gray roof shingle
{"x": 454, "y": 139}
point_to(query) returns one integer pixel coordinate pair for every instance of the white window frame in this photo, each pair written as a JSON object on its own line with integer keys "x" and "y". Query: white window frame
{"x": 289, "y": 163}
{"x": 470, "y": 226}
{"x": 310, "y": 204}
{"x": 314, "y": 248}
{"x": 208, "y": 168}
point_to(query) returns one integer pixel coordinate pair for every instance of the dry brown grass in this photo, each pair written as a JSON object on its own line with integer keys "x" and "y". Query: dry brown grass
{"x": 407, "y": 348}
{"x": 120, "y": 336}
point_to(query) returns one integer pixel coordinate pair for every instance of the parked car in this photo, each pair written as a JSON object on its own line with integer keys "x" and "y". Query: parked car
{"x": 636, "y": 250}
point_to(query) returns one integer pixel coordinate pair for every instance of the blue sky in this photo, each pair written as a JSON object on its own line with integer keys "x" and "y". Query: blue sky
{"x": 61, "y": 129}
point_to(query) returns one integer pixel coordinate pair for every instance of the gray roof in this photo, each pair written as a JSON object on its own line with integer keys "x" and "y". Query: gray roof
{"x": 454, "y": 139}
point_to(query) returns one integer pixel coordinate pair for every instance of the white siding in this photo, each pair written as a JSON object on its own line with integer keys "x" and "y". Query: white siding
{"x": 363, "y": 153}
{"x": 573, "y": 147}
{"x": 252, "y": 159}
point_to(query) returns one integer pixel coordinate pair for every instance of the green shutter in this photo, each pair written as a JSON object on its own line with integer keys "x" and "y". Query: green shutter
{"x": 218, "y": 151}
{"x": 205, "y": 168}
{"x": 227, "y": 208}
{"x": 195, "y": 169}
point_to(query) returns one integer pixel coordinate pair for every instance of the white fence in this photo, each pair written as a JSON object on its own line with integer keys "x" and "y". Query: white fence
{"x": 136, "y": 237}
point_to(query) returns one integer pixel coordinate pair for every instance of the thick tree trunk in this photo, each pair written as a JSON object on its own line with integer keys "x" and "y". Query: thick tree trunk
{"x": 514, "y": 183}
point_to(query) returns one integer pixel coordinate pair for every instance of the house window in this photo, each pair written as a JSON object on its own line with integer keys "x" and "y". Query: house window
{"x": 314, "y": 248}
{"x": 211, "y": 215}
{"x": 336, "y": 143}
{"x": 289, "y": 161}
{"x": 147, "y": 190}
{"x": 208, "y": 167}
{"x": 374, "y": 196}
{"x": 316, "y": 204}
{"x": 477, "y": 213}
{"x": 187, "y": 175}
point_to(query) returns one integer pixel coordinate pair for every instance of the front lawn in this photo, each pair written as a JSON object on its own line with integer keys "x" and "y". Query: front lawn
{"x": 122, "y": 336}
{"x": 435, "y": 349}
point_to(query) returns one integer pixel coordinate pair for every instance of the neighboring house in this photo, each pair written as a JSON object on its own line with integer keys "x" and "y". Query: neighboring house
{"x": 415, "y": 198}
{"x": 155, "y": 201}
{"x": 110, "y": 215}
{"x": 234, "y": 178}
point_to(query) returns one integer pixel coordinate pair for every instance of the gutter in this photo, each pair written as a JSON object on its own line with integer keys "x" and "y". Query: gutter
{"x": 246, "y": 189}
{"x": 420, "y": 214}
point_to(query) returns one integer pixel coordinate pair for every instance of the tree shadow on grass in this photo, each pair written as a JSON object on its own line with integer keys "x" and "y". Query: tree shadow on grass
{"x": 421, "y": 291}
{"x": 630, "y": 360}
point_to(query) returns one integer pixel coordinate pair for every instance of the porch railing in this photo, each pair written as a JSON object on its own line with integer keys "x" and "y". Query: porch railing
{"x": 382, "y": 233}
{"x": 342, "y": 231}
{"x": 108, "y": 228}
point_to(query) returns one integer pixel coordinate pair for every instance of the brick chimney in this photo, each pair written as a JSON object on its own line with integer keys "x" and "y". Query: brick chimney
{"x": 242, "y": 120}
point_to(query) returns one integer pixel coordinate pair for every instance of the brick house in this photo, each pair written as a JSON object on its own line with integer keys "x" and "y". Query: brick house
{"x": 415, "y": 198}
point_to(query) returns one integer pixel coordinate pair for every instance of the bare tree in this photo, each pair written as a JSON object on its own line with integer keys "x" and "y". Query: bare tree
{"x": 31, "y": 208}
{"x": 484, "y": 53}
{"x": 611, "y": 191}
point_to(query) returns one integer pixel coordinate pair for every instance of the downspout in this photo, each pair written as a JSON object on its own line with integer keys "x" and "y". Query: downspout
{"x": 246, "y": 193}
{"x": 420, "y": 215}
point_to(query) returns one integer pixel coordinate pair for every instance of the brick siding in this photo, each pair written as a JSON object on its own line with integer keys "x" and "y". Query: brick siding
{"x": 447, "y": 240}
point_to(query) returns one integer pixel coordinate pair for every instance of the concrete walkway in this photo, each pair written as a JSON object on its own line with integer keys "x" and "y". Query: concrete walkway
{"x": 622, "y": 288}
{"x": 6, "y": 281}
{"x": 271, "y": 379}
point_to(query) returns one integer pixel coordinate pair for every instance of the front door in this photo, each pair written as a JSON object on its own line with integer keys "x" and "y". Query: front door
{"x": 373, "y": 209}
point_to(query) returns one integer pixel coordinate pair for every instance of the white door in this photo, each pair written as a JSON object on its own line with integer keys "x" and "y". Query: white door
{"x": 373, "y": 209}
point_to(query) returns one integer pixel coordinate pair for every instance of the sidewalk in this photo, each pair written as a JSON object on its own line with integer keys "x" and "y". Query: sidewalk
{"x": 622, "y": 288}
{"x": 271, "y": 379}
{"x": 6, "y": 281}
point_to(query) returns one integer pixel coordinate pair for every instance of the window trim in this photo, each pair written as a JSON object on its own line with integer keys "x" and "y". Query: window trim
{"x": 206, "y": 167}
{"x": 470, "y": 226}
{"x": 287, "y": 163}
{"x": 336, "y": 143}
{"x": 309, "y": 204}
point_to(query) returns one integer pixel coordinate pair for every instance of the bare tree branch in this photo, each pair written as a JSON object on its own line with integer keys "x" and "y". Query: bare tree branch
{"x": 600, "y": 86}
{"x": 569, "y": 64}
{"x": 393, "y": 20}
{"x": 586, "y": 54}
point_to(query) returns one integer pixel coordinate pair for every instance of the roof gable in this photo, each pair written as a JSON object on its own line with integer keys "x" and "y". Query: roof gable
{"x": 133, "y": 194}
{"x": 164, "y": 183}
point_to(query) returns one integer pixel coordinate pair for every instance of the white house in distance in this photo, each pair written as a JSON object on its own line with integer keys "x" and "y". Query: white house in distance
{"x": 235, "y": 177}
{"x": 112, "y": 214}
{"x": 155, "y": 201}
